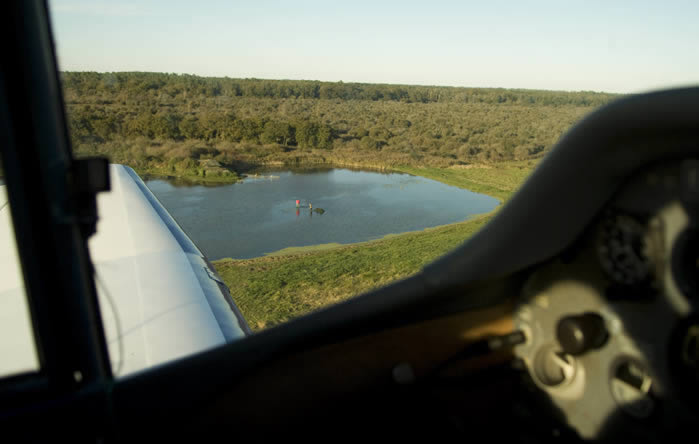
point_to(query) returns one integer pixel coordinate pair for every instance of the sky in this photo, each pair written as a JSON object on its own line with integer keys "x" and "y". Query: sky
{"x": 613, "y": 46}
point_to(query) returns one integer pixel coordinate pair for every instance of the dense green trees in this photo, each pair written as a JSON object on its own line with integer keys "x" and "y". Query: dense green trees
{"x": 191, "y": 87}
{"x": 314, "y": 135}
{"x": 165, "y": 116}
{"x": 281, "y": 133}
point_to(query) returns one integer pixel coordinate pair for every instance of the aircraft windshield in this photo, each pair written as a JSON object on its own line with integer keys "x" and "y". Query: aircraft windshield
{"x": 313, "y": 152}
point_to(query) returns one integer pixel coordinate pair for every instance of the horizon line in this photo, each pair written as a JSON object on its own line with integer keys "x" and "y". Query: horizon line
{"x": 346, "y": 82}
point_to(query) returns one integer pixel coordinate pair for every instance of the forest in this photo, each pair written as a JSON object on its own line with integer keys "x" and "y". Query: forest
{"x": 215, "y": 128}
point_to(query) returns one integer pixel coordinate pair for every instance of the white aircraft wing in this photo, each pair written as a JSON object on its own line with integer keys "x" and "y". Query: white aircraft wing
{"x": 17, "y": 349}
{"x": 159, "y": 296}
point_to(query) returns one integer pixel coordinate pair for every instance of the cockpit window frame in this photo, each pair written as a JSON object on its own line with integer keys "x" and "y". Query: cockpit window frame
{"x": 52, "y": 251}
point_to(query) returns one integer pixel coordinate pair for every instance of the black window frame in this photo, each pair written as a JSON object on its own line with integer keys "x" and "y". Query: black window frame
{"x": 75, "y": 376}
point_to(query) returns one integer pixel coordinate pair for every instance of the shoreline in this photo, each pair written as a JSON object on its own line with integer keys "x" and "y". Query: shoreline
{"x": 273, "y": 289}
{"x": 290, "y": 252}
{"x": 237, "y": 176}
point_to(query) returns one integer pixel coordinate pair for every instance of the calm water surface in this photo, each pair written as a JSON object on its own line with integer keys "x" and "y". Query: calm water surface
{"x": 259, "y": 216}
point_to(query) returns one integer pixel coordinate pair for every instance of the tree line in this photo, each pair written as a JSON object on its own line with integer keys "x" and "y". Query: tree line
{"x": 190, "y": 86}
{"x": 169, "y": 119}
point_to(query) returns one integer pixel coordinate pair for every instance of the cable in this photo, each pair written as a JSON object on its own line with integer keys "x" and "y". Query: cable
{"x": 117, "y": 321}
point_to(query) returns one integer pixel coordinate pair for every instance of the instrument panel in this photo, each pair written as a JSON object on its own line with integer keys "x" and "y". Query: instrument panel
{"x": 612, "y": 327}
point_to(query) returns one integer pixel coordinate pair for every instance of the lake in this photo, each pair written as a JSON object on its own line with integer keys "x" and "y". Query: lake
{"x": 259, "y": 215}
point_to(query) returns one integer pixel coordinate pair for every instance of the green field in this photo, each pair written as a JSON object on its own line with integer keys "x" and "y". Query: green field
{"x": 499, "y": 180}
{"x": 292, "y": 282}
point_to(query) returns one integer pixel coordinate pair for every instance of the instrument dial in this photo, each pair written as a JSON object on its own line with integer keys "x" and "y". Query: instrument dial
{"x": 623, "y": 250}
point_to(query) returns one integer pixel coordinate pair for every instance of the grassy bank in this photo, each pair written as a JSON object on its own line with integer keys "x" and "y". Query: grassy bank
{"x": 193, "y": 176}
{"x": 273, "y": 289}
{"x": 499, "y": 180}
